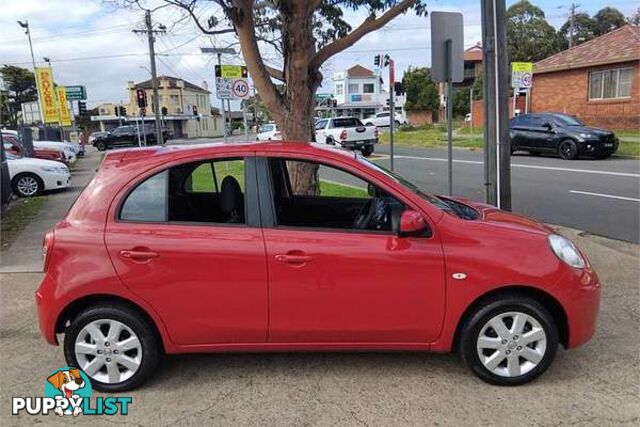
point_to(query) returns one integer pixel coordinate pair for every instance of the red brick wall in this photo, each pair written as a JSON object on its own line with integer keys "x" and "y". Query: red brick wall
{"x": 477, "y": 110}
{"x": 418, "y": 118}
{"x": 568, "y": 92}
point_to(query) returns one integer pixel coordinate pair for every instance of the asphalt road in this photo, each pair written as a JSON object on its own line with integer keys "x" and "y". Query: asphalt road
{"x": 599, "y": 196}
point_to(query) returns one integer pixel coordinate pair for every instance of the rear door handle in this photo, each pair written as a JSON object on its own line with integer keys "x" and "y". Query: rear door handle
{"x": 294, "y": 259}
{"x": 138, "y": 255}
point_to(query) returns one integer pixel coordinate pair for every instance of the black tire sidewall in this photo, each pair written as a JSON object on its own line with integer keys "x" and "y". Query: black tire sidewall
{"x": 14, "y": 184}
{"x": 367, "y": 151}
{"x": 574, "y": 149}
{"x": 472, "y": 328}
{"x": 145, "y": 331}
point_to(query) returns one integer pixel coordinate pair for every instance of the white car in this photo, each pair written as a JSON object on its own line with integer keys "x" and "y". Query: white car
{"x": 68, "y": 150}
{"x": 269, "y": 132}
{"x": 382, "y": 119}
{"x": 30, "y": 176}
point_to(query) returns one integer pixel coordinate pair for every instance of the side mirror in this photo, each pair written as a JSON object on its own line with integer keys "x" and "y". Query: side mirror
{"x": 547, "y": 125}
{"x": 412, "y": 224}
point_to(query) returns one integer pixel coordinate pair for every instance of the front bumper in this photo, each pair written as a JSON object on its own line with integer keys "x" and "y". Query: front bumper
{"x": 581, "y": 302}
{"x": 598, "y": 147}
{"x": 55, "y": 181}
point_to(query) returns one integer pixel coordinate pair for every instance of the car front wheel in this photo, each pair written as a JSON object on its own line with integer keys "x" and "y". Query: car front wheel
{"x": 568, "y": 150}
{"x": 27, "y": 185}
{"x": 114, "y": 345}
{"x": 101, "y": 146}
{"x": 509, "y": 341}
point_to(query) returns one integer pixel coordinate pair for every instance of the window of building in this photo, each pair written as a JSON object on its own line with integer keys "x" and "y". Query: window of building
{"x": 207, "y": 192}
{"x": 353, "y": 88}
{"x": 368, "y": 88}
{"x": 343, "y": 201}
{"x": 606, "y": 84}
{"x": 339, "y": 89}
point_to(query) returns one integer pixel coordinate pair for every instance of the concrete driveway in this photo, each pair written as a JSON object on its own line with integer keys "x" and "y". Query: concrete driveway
{"x": 597, "y": 384}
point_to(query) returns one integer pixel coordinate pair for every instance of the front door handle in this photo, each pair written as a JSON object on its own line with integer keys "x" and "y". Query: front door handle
{"x": 294, "y": 259}
{"x": 138, "y": 255}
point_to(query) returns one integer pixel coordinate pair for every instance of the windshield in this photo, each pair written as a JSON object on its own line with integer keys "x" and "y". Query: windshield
{"x": 565, "y": 120}
{"x": 434, "y": 200}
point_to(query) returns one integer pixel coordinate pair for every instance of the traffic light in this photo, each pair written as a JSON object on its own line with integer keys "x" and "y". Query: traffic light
{"x": 143, "y": 111}
{"x": 116, "y": 110}
{"x": 387, "y": 58}
{"x": 376, "y": 60}
{"x": 194, "y": 108}
{"x": 141, "y": 97}
{"x": 82, "y": 108}
{"x": 164, "y": 111}
{"x": 398, "y": 88}
{"x": 123, "y": 111}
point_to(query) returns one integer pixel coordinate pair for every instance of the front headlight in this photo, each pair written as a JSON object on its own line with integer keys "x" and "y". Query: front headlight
{"x": 566, "y": 251}
{"x": 55, "y": 169}
{"x": 586, "y": 135}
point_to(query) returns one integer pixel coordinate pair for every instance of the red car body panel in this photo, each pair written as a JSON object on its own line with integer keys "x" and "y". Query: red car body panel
{"x": 38, "y": 153}
{"x": 229, "y": 288}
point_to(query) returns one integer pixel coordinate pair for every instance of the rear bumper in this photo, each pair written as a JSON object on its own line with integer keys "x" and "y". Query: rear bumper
{"x": 356, "y": 145}
{"x": 47, "y": 310}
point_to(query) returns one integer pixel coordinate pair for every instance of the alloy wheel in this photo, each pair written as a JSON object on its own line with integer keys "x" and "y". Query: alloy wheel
{"x": 511, "y": 344}
{"x": 27, "y": 186}
{"x": 108, "y": 351}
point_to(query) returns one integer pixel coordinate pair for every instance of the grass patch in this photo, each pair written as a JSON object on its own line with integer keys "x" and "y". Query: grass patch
{"x": 628, "y": 149}
{"x": 434, "y": 136}
{"x": 19, "y": 214}
{"x": 628, "y": 133}
{"x": 335, "y": 189}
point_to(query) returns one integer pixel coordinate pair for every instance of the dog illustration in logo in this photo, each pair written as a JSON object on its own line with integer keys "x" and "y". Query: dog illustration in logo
{"x": 68, "y": 382}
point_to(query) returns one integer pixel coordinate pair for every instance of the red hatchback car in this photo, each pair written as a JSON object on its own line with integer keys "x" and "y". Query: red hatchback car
{"x": 218, "y": 247}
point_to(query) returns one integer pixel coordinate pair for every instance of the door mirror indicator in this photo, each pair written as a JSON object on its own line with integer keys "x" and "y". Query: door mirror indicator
{"x": 412, "y": 224}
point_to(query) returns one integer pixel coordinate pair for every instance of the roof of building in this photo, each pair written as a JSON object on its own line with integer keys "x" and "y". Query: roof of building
{"x": 359, "y": 71}
{"x": 620, "y": 45}
{"x": 474, "y": 53}
{"x": 172, "y": 84}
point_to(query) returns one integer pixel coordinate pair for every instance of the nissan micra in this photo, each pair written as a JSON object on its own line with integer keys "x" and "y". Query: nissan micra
{"x": 219, "y": 247}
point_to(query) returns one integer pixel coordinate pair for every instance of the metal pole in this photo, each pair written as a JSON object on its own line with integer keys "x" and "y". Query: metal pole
{"x": 33, "y": 61}
{"x": 224, "y": 116}
{"x": 244, "y": 120}
{"x": 154, "y": 78}
{"x": 392, "y": 113}
{"x": 571, "y": 24}
{"x": 449, "y": 105}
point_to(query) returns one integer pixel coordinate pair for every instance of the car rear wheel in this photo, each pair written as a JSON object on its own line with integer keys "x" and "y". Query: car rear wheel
{"x": 114, "y": 345}
{"x": 367, "y": 151}
{"x": 27, "y": 185}
{"x": 568, "y": 150}
{"x": 509, "y": 341}
{"x": 101, "y": 146}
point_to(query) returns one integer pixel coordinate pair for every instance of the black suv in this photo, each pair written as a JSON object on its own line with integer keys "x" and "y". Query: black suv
{"x": 124, "y": 136}
{"x": 560, "y": 134}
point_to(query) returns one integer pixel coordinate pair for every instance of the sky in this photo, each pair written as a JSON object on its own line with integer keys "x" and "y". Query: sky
{"x": 91, "y": 43}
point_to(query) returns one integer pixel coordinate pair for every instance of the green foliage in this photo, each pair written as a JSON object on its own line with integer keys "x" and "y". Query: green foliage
{"x": 584, "y": 29}
{"x": 477, "y": 88}
{"x": 20, "y": 86}
{"x": 461, "y": 101}
{"x": 608, "y": 19}
{"x": 422, "y": 92}
{"x": 530, "y": 37}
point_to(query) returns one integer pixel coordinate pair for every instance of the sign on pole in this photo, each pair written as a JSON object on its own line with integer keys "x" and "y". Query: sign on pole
{"x": 65, "y": 116}
{"x": 44, "y": 80}
{"x": 447, "y": 29}
{"x": 76, "y": 93}
{"x": 231, "y": 82}
{"x": 521, "y": 75}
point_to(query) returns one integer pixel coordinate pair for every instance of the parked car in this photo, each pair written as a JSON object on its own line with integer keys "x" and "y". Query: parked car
{"x": 382, "y": 119}
{"x": 209, "y": 248}
{"x": 95, "y": 135}
{"x": 348, "y": 132}
{"x": 467, "y": 117}
{"x": 31, "y": 176}
{"x": 269, "y": 132}
{"x": 12, "y": 145}
{"x": 126, "y": 136}
{"x": 561, "y": 134}
{"x": 70, "y": 151}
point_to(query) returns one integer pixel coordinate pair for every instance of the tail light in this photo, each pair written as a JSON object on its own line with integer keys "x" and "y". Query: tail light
{"x": 343, "y": 134}
{"x": 47, "y": 247}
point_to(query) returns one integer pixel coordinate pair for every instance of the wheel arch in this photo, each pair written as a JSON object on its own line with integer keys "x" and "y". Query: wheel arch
{"x": 548, "y": 301}
{"x": 72, "y": 310}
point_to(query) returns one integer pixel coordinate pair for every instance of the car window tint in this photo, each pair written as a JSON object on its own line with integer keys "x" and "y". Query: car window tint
{"x": 538, "y": 121}
{"x": 201, "y": 180}
{"x": 525, "y": 120}
{"x": 346, "y": 122}
{"x": 321, "y": 124}
{"x": 340, "y": 201}
{"x": 148, "y": 201}
{"x": 516, "y": 121}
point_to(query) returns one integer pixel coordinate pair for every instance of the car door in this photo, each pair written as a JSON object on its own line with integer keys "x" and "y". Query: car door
{"x": 197, "y": 259}
{"x": 519, "y": 128}
{"x": 332, "y": 283}
{"x": 541, "y": 134}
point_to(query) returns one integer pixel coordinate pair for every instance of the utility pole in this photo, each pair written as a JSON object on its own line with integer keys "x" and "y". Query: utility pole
{"x": 497, "y": 150}
{"x": 154, "y": 78}
{"x": 572, "y": 23}
{"x": 392, "y": 110}
{"x": 25, "y": 25}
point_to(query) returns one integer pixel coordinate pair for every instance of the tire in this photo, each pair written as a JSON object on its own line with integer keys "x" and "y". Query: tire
{"x": 568, "y": 150}
{"x": 330, "y": 141}
{"x": 531, "y": 359}
{"x": 101, "y": 146}
{"x": 27, "y": 184}
{"x": 146, "y": 354}
{"x": 396, "y": 124}
{"x": 367, "y": 150}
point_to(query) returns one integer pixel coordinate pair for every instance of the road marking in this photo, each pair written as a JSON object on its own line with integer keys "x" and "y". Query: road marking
{"x": 519, "y": 165}
{"x": 608, "y": 196}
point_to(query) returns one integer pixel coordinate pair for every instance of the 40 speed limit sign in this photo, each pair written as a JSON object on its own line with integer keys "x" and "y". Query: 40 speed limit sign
{"x": 240, "y": 89}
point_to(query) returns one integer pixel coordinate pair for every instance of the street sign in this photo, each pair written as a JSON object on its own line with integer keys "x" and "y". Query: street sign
{"x": 240, "y": 89}
{"x": 521, "y": 75}
{"x": 76, "y": 93}
{"x": 231, "y": 82}
{"x": 231, "y": 71}
{"x": 447, "y": 47}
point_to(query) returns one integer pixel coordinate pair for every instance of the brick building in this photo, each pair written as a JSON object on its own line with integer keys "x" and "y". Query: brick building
{"x": 597, "y": 81}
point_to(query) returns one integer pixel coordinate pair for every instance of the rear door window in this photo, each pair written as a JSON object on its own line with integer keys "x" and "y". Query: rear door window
{"x": 347, "y": 122}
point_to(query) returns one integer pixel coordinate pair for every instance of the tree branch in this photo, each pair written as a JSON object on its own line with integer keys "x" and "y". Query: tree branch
{"x": 370, "y": 24}
{"x": 188, "y": 7}
{"x": 275, "y": 73}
